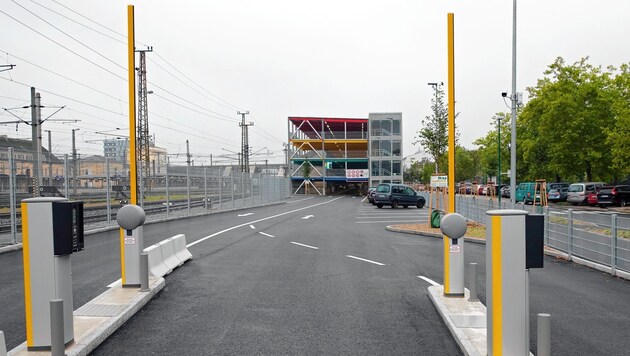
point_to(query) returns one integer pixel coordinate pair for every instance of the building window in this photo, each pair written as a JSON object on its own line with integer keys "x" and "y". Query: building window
{"x": 396, "y": 168}
{"x": 396, "y": 148}
{"x": 386, "y": 148}
{"x": 375, "y": 168}
{"x": 396, "y": 128}
{"x": 374, "y": 152}
{"x": 386, "y": 168}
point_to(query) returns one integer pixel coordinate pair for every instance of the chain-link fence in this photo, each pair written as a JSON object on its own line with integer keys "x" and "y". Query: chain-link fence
{"x": 600, "y": 237}
{"x": 176, "y": 191}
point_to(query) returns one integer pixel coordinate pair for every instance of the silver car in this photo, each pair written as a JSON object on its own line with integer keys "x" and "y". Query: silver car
{"x": 578, "y": 192}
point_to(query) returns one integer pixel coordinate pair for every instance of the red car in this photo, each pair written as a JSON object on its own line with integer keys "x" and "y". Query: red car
{"x": 591, "y": 199}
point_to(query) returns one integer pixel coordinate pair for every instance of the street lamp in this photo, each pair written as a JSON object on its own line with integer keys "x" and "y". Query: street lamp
{"x": 499, "y": 157}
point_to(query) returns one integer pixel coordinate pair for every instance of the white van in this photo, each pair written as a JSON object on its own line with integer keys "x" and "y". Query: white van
{"x": 578, "y": 192}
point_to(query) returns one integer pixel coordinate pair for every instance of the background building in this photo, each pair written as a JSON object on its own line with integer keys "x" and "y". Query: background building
{"x": 328, "y": 155}
{"x": 385, "y": 142}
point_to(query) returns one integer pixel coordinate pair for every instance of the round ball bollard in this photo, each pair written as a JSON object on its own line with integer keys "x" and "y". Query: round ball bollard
{"x": 130, "y": 217}
{"x": 453, "y": 225}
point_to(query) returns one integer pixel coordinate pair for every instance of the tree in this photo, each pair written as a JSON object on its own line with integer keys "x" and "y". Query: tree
{"x": 488, "y": 147}
{"x": 619, "y": 136}
{"x": 564, "y": 128}
{"x": 433, "y": 135}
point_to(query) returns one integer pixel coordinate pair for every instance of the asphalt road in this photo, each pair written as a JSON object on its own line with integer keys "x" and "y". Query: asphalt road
{"x": 288, "y": 286}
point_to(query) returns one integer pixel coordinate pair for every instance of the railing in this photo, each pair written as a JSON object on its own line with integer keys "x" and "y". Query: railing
{"x": 600, "y": 238}
{"x": 200, "y": 191}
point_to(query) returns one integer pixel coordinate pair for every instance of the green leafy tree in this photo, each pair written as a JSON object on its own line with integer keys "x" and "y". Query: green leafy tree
{"x": 414, "y": 173}
{"x": 619, "y": 136}
{"x": 433, "y": 135}
{"x": 563, "y": 130}
{"x": 488, "y": 152}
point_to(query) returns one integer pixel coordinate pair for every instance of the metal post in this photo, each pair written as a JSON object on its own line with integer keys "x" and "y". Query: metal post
{"x": 74, "y": 164}
{"x": 570, "y": 233}
{"x": 544, "y": 335}
{"x": 109, "y": 199}
{"x": 220, "y": 193}
{"x": 65, "y": 177}
{"x": 232, "y": 187}
{"x": 144, "y": 272}
{"x": 251, "y": 187}
{"x": 12, "y": 202}
{"x": 546, "y": 211}
{"x": 242, "y": 189}
{"x": 205, "y": 189}
{"x": 50, "y": 175}
{"x": 57, "y": 344}
{"x": 613, "y": 244}
{"x": 168, "y": 201}
{"x": 513, "y": 114}
{"x": 472, "y": 276}
{"x": 188, "y": 176}
{"x": 141, "y": 182}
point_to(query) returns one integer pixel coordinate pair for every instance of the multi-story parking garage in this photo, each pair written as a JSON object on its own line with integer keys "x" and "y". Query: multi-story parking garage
{"x": 331, "y": 155}
{"x": 328, "y": 155}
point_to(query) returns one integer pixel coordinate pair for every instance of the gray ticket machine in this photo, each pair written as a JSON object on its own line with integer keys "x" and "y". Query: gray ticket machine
{"x": 52, "y": 229}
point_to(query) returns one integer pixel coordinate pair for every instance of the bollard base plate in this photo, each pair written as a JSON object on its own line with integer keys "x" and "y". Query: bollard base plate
{"x": 131, "y": 286}
{"x": 454, "y": 295}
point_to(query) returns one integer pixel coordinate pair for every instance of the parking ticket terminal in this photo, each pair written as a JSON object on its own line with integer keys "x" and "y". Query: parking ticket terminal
{"x": 454, "y": 227}
{"x": 52, "y": 229}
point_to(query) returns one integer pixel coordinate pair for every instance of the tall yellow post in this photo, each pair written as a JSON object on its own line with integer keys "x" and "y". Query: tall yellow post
{"x": 453, "y": 251}
{"x": 131, "y": 55}
{"x": 133, "y": 171}
{"x": 451, "y": 113}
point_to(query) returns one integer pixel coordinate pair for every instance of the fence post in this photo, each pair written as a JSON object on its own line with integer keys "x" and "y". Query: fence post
{"x": 168, "y": 200}
{"x": 570, "y": 233}
{"x": 57, "y": 344}
{"x": 546, "y": 233}
{"x": 12, "y": 200}
{"x": 220, "y": 192}
{"x": 613, "y": 244}
{"x": 109, "y": 202}
{"x": 242, "y": 189}
{"x": 251, "y": 186}
{"x": 188, "y": 185}
{"x": 205, "y": 190}
{"x": 232, "y": 187}
{"x": 65, "y": 177}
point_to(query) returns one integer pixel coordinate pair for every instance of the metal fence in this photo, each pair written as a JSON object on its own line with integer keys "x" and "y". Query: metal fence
{"x": 180, "y": 191}
{"x": 600, "y": 237}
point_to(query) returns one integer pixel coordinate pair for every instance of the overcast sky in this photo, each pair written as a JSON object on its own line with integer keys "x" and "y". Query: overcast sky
{"x": 341, "y": 58}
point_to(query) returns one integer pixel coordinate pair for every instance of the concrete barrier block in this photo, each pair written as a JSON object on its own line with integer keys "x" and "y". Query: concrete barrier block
{"x": 157, "y": 267}
{"x": 168, "y": 253}
{"x": 181, "y": 251}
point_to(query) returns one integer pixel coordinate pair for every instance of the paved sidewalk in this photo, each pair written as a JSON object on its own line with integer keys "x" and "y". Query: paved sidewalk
{"x": 101, "y": 316}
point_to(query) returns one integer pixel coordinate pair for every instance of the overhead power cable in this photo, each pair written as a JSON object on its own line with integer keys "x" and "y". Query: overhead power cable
{"x": 71, "y": 37}
{"x": 62, "y": 46}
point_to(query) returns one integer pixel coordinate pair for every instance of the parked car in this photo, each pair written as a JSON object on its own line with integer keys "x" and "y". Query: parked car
{"x": 370, "y": 194}
{"x": 397, "y": 194}
{"x": 505, "y": 191}
{"x": 556, "y": 185}
{"x": 614, "y": 195}
{"x": 591, "y": 198}
{"x": 525, "y": 192}
{"x": 558, "y": 195}
{"x": 480, "y": 189}
{"x": 578, "y": 192}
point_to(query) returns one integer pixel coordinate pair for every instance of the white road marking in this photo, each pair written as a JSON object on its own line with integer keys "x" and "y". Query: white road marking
{"x": 296, "y": 201}
{"x": 432, "y": 282}
{"x": 416, "y": 221}
{"x": 259, "y": 220}
{"x": 299, "y": 244}
{"x": 253, "y": 227}
{"x": 262, "y": 233}
{"x": 246, "y": 214}
{"x": 308, "y": 217}
{"x": 363, "y": 259}
{"x": 115, "y": 283}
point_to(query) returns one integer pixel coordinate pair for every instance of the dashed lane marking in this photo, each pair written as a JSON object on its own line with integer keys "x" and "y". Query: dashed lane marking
{"x": 303, "y": 245}
{"x": 364, "y": 260}
{"x": 263, "y": 233}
